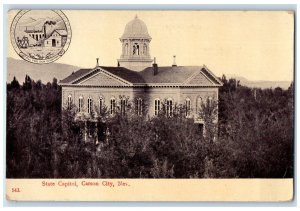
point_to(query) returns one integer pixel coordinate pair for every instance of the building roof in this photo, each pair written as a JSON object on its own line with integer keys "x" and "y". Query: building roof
{"x": 62, "y": 32}
{"x": 75, "y": 75}
{"x": 169, "y": 74}
{"x": 136, "y": 29}
{"x": 126, "y": 74}
{"x": 166, "y": 75}
{"x": 33, "y": 31}
{"x": 121, "y": 72}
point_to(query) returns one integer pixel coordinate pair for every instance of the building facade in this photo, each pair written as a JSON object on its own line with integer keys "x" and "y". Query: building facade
{"x": 138, "y": 79}
{"x": 57, "y": 38}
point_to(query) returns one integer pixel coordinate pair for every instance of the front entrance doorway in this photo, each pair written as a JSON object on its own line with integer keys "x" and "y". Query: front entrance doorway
{"x": 53, "y": 43}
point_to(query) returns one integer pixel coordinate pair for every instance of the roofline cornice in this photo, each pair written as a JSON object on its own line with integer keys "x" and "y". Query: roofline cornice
{"x": 78, "y": 79}
{"x": 211, "y": 73}
{"x": 141, "y": 86}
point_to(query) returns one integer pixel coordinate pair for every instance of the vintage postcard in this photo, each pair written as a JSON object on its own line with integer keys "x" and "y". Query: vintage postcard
{"x": 136, "y": 105}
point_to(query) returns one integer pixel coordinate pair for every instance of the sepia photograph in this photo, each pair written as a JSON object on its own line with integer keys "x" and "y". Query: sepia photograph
{"x": 137, "y": 94}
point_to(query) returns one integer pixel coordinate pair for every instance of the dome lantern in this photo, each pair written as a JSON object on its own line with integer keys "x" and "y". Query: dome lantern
{"x": 135, "y": 46}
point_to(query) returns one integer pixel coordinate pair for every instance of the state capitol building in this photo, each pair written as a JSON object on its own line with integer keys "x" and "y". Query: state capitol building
{"x": 138, "y": 79}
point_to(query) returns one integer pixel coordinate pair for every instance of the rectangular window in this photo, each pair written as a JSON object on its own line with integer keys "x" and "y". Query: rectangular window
{"x": 100, "y": 105}
{"x": 80, "y": 104}
{"x": 139, "y": 108}
{"x": 123, "y": 106}
{"x": 156, "y": 107}
{"x": 187, "y": 107}
{"x": 69, "y": 102}
{"x": 90, "y": 105}
{"x": 199, "y": 105}
{"x": 169, "y": 108}
{"x": 112, "y": 106}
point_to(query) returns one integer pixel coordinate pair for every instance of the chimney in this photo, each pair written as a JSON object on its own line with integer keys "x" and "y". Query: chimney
{"x": 97, "y": 59}
{"x": 174, "y": 61}
{"x": 155, "y": 68}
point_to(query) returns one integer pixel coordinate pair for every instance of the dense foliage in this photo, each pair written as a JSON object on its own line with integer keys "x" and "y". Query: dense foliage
{"x": 253, "y": 138}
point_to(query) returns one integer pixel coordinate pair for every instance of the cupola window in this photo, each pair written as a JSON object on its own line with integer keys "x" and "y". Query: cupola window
{"x": 136, "y": 49}
{"x": 145, "y": 49}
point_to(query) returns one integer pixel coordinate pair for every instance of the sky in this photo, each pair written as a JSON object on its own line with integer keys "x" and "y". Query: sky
{"x": 255, "y": 45}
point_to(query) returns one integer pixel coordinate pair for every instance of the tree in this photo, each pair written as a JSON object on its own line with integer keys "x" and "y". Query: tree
{"x": 253, "y": 137}
{"x": 27, "y": 84}
{"x": 14, "y": 84}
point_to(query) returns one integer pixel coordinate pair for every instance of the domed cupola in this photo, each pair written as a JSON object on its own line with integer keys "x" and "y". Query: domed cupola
{"x": 136, "y": 29}
{"x": 135, "y": 46}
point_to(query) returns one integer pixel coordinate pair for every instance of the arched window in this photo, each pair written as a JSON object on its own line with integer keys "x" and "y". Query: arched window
{"x": 199, "y": 104}
{"x": 169, "y": 108}
{"x": 123, "y": 106}
{"x": 69, "y": 102}
{"x": 101, "y": 104}
{"x": 145, "y": 49}
{"x": 80, "y": 104}
{"x": 136, "y": 49}
{"x": 126, "y": 49}
{"x": 187, "y": 107}
{"x": 156, "y": 106}
{"x": 210, "y": 100}
{"x": 139, "y": 106}
{"x": 90, "y": 105}
{"x": 112, "y": 105}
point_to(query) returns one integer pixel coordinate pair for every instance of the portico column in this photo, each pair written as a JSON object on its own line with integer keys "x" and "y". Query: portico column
{"x": 130, "y": 47}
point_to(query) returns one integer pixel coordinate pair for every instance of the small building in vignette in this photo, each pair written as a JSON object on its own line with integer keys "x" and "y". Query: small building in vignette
{"x": 138, "y": 79}
{"x": 57, "y": 38}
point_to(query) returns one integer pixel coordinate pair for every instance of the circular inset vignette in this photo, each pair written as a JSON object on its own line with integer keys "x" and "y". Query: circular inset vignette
{"x": 40, "y": 36}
